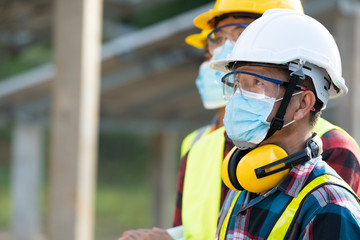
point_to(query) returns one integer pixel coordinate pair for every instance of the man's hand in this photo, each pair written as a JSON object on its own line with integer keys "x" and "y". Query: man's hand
{"x": 146, "y": 234}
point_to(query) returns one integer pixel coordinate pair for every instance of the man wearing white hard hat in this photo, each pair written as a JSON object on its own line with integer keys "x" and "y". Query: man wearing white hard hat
{"x": 198, "y": 186}
{"x": 281, "y": 188}
{"x": 200, "y": 189}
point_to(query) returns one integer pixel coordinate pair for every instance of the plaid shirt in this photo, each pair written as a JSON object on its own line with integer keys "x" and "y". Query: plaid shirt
{"x": 338, "y": 151}
{"x": 343, "y": 156}
{"x": 329, "y": 212}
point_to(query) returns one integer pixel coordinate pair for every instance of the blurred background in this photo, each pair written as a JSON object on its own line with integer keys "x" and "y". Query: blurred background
{"x": 148, "y": 103}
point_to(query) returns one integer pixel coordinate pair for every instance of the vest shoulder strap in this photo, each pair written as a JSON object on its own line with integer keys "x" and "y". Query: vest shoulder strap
{"x": 225, "y": 223}
{"x": 282, "y": 225}
{"x": 323, "y": 126}
{"x": 190, "y": 139}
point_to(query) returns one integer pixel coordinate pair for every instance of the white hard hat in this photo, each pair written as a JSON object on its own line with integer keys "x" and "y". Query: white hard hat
{"x": 283, "y": 36}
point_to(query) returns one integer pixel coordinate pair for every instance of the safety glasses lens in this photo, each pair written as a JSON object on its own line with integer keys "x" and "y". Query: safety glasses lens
{"x": 219, "y": 35}
{"x": 254, "y": 83}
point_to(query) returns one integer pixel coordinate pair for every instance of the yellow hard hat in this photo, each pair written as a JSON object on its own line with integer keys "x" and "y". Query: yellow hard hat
{"x": 205, "y": 20}
{"x": 197, "y": 40}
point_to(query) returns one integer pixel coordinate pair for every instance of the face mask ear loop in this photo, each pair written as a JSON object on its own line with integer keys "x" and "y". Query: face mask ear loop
{"x": 281, "y": 99}
{"x": 278, "y": 121}
{"x": 288, "y": 123}
{"x": 277, "y": 100}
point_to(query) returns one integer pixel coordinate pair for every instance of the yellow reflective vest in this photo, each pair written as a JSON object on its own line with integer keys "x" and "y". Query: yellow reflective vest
{"x": 202, "y": 186}
{"x": 190, "y": 139}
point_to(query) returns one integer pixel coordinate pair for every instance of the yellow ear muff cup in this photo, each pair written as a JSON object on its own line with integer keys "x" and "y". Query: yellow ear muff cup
{"x": 228, "y": 169}
{"x": 259, "y": 157}
{"x": 225, "y": 169}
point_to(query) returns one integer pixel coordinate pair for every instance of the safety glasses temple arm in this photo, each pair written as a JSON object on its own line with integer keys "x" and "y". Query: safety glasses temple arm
{"x": 297, "y": 87}
{"x": 273, "y": 80}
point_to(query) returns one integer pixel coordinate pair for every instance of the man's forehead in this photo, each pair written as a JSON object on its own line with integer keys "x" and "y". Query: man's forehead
{"x": 230, "y": 19}
{"x": 262, "y": 70}
{"x": 258, "y": 69}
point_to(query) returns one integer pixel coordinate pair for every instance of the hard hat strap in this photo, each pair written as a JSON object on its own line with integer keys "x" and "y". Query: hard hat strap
{"x": 278, "y": 121}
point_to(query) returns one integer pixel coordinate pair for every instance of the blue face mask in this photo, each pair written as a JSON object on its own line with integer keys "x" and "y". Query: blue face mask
{"x": 245, "y": 117}
{"x": 222, "y": 53}
{"x": 209, "y": 88}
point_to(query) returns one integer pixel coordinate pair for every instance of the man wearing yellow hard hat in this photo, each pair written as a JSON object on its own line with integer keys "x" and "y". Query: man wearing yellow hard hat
{"x": 200, "y": 190}
{"x": 282, "y": 188}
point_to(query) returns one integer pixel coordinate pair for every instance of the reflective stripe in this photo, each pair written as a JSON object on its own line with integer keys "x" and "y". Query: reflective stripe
{"x": 225, "y": 223}
{"x": 322, "y": 126}
{"x": 202, "y": 186}
{"x": 282, "y": 225}
{"x": 190, "y": 139}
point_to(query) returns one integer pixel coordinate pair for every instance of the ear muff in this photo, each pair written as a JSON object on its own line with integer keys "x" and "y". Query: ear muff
{"x": 259, "y": 157}
{"x": 238, "y": 168}
{"x": 264, "y": 167}
{"x": 228, "y": 169}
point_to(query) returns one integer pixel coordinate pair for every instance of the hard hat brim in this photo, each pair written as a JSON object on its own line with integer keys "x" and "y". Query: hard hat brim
{"x": 197, "y": 40}
{"x": 221, "y": 65}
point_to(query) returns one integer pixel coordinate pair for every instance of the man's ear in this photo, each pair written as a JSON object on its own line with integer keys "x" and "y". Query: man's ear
{"x": 306, "y": 102}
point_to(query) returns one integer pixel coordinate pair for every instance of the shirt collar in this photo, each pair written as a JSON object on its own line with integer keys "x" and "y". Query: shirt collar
{"x": 296, "y": 178}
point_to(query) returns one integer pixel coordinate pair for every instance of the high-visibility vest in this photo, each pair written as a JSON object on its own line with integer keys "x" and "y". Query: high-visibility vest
{"x": 322, "y": 126}
{"x": 281, "y": 227}
{"x": 190, "y": 139}
{"x": 202, "y": 186}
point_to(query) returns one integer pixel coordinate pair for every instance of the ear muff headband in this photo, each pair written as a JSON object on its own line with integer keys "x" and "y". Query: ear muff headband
{"x": 264, "y": 167}
{"x": 287, "y": 162}
{"x": 313, "y": 149}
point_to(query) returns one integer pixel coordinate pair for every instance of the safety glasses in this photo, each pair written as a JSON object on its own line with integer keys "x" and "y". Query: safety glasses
{"x": 218, "y": 36}
{"x": 252, "y": 82}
